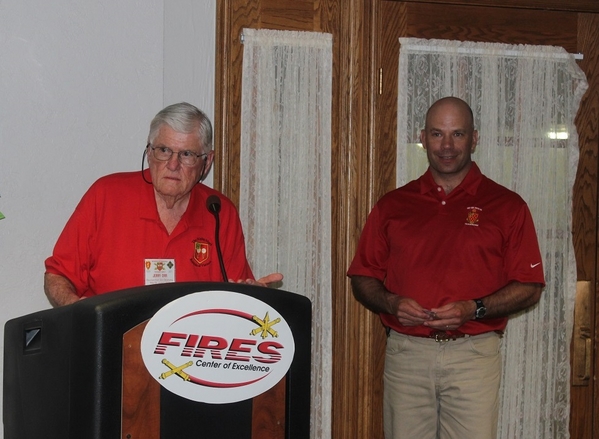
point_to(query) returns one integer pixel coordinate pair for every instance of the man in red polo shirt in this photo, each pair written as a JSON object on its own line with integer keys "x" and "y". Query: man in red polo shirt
{"x": 445, "y": 260}
{"x": 154, "y": 226}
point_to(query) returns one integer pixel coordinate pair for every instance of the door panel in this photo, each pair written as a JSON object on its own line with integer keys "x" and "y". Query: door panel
{"x": 575, "y": 32}
{"x": 492, "y": 24}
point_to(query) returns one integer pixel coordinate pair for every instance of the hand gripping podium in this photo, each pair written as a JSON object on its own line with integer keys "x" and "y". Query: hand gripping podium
{"x": 209, "y": 360}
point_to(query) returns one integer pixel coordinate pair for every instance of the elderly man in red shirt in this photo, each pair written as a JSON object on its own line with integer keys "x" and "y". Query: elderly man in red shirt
{"x": 138, "y": 228}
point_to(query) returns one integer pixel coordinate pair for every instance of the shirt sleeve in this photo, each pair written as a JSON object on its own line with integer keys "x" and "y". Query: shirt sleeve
{"x": 71, "y": 257}
{"x": 372, "y": 253}
{"x": 523, "y": 261}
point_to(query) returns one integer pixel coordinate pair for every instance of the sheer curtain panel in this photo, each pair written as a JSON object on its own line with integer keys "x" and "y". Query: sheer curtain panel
{"x": 524, "y": 100}
{"x": 285, "y": 193}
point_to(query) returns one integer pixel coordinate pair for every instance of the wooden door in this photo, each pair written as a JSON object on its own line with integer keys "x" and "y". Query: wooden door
{"x": 350, "y": 22}
{"x": 514, "y": 22}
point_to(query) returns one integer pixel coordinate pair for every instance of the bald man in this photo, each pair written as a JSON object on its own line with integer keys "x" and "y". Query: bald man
{"x": 444, "y": 260}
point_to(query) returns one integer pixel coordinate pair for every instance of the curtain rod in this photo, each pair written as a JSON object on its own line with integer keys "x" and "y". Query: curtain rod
{"x": 477, "y": 51}
{"x": 577, "y": 56}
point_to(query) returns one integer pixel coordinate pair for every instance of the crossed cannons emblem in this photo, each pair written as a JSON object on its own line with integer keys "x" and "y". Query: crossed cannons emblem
{"x": 175, "y": 370}
{"x": 265, "y": 326}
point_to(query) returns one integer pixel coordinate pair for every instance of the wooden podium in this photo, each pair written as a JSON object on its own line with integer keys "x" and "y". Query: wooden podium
{"x": 77, "y": 372}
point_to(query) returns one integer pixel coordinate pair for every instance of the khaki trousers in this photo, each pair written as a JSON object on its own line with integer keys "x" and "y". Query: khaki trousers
{"x": 441, "y": 390}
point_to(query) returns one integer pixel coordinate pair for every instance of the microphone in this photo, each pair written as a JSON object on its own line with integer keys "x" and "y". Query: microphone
{"x": 213, "y": 206}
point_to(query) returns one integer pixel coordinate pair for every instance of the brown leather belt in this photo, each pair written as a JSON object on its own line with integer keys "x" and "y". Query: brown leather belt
{"x": 443, "y": 336}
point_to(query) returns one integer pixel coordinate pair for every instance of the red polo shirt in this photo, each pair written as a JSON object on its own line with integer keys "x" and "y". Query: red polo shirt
{"x": 116, "y": 227}
{"x": 438, "y": 248}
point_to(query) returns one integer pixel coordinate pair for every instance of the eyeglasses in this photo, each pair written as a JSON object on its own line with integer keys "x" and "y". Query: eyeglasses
{"x": 187, "y": 158}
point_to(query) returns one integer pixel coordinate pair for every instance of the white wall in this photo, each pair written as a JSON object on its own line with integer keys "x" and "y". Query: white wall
{"x": 79, "y": 84}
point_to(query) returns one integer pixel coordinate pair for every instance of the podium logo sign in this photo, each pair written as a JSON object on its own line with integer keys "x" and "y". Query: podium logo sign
{"x": 217, "y": 347}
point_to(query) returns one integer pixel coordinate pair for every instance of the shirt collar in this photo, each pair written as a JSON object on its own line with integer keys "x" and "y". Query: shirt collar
{"x": 469, "y": 184}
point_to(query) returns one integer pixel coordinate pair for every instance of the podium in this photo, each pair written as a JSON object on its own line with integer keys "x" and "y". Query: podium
{"x": 81, "y": 371}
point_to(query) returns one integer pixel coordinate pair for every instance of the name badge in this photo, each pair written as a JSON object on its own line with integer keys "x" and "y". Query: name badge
{"x": 159, "y": 271}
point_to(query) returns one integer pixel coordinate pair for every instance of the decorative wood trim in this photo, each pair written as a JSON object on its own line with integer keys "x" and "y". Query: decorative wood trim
{"x": 493, "y": 25}
{"x": 585, "y": 399}
{"x": 357, "y": 388}
{"x": 141, "y": 393}
{"x": 268, "y": 413}
{"x": 221, "y": 90}
{"x": 545, "y": 5}
{"x": 585, "y": 188}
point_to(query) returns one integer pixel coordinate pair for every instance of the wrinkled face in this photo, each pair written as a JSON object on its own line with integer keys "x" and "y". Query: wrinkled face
{"x": 170, "y": 178}
{"x": 449, "y": 139}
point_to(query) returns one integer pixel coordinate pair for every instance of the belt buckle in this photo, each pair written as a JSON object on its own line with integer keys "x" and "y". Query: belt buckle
{"x": 442, "y": 336}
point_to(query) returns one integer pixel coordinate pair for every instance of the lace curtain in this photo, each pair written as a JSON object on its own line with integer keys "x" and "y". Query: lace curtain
{"x": 524, "y": 100}
{"x": 285, "y": 193}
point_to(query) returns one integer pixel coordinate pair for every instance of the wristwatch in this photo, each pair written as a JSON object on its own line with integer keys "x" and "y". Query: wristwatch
{"x": 481, "y": 310}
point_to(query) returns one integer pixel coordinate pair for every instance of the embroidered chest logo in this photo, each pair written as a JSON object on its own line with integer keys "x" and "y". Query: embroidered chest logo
{"x": 201, "y": 252}
{"x": 473, "y": 216}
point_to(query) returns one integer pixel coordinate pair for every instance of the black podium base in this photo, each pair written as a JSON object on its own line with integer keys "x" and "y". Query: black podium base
{"x": 63, "y": 367}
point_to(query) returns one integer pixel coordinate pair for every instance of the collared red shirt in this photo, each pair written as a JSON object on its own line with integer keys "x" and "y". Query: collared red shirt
{"x": 116, "y": 227}
{"x": 437, "y": 248}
